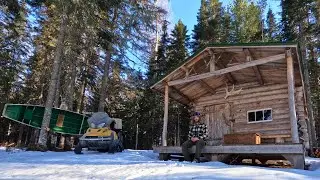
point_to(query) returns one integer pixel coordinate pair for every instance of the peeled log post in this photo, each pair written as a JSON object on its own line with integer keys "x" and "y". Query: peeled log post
{"x": 292, "y": 109}
{"x": 165, "y": 117}
{"x": 53, "y": 82}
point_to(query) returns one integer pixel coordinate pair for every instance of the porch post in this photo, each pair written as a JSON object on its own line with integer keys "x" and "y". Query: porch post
{"x": 291, "y": 98}
{"x": 165, "y": 117}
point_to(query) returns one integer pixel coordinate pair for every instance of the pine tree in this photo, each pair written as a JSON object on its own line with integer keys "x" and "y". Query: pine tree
{"x": 178, "y": 48}
{"x": 53, "y": 80}
{"x": 163, "y": 50}
{"x": 13, "y": 49}
{"x": 226, "y": 27}
{"x": 215, "y": 21}
{"x": 271, "y": 26}
{"x": 287, "y": 20}
{"x": 200, "y": 30}
{"x": 246, "y": 21}
{"x": 158, "y": 65}
{"x": 297, "y": 26}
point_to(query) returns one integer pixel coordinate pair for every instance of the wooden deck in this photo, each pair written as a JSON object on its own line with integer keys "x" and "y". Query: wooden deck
{"x": 291, "y": 152}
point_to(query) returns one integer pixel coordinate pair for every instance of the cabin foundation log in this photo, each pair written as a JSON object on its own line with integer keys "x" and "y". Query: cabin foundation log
{"x": 164, "y": 157}
{"x": 292, "y": 152}
{"x": 297, "y": 161}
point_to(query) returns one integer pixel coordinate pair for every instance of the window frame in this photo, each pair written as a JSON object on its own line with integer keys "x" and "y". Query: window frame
{"x": 260, "y": 121}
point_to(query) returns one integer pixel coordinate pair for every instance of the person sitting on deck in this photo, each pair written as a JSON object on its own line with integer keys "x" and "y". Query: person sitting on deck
{"x": 197, "y": 136}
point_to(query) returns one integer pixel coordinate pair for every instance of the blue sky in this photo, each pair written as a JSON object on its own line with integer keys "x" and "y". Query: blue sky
{"x": 187, "y": 10}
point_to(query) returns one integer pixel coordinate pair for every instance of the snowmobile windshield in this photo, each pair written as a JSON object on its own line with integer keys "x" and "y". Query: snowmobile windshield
{"x": 99, "y": 120}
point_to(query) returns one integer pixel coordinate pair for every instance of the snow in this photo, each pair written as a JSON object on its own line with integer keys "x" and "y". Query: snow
{"x": 133, "y": 164}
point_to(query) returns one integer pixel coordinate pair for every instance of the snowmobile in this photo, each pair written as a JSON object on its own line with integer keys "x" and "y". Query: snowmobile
{"x": 103, "y": 134}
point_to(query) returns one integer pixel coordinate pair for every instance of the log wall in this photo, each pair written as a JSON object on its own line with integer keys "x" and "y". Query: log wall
{"x": 254, "y": 97}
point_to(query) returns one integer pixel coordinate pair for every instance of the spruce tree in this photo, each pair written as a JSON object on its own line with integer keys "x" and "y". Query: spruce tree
{"x": 161, "y": 64}
{"x": 178, "y": 48}
{"x": 287, "y": 20}
{"x": 298, "y": 25}
{"x": 226, "y": 35}
{"x": 271, "y": 26}
{"x": 246, "y": 21}
{"x": 200, "y": 30}
{"x": 215, "y": 21}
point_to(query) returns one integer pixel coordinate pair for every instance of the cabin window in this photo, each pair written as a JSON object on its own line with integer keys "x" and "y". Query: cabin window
{"x": 259, "y": 115}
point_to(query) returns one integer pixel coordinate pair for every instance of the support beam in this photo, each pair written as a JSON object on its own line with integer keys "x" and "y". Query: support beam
{"x": 258, "y": 74}
{"x": 212, "y": 62}
{"x": 181, "y": 94}
{"x": 220, "y": 65}
{"x": 186, "y": 70}
{"x": 202, "y": 82}
{"x": 230, "y": 78}
{"x": 292, "y": 109}
{"x": 207, "y": 87}
{"x": 255, "y": 68}
{"x": 197, "y": 59}
{"x": 165, "y": 116}
{"x": 228, "y": 70}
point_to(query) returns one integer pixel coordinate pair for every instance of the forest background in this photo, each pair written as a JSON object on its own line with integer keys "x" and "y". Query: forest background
{"x": 79, "y": 54}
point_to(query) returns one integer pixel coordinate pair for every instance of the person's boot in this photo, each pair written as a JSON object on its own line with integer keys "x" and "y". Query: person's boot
{"x": 197, "y": 160}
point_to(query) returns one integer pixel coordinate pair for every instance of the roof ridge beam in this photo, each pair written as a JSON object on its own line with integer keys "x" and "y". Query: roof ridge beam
{"x": 229, "y": 69}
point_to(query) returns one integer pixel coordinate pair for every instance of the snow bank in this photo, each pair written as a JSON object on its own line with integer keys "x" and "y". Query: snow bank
{"x": 132, "y": 164}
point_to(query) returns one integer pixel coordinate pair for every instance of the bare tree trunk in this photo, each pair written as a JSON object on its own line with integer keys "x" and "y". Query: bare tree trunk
{"x": 105, "y": 79}
{"x": 27, "y": 140}
{"x": 62, "y": 140}
{"x": 70, "y": 86}
{"x": 53, "y": 82}
{"x": 83, "y": 86}
{"x": 305, "y": 69}
{"x": 57, "y": 92}
{"x": 20, "y": 135}
{"x": 82, "y": 95}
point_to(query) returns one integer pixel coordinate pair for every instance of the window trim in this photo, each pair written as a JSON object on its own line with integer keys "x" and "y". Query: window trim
{"x": 252, "y": 122}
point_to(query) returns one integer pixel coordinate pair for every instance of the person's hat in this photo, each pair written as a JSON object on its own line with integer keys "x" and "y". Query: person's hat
{"x": 196, "y": 114}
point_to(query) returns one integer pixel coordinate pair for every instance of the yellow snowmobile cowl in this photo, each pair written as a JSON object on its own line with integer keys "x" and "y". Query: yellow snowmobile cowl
{"x": 100, "y": 132}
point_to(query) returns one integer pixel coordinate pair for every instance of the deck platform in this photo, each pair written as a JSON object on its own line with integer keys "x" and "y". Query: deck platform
{"x": 291, "y": 152}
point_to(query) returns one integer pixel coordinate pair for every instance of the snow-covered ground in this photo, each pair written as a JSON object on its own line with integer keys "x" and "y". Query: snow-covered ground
{"x": 132, "y": 164}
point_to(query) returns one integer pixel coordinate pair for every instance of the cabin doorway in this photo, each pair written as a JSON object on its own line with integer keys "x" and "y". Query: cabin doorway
{"x": 217, "y": 118}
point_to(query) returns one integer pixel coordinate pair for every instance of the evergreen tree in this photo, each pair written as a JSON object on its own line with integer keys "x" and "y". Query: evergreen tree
{"x": 246, "y": 21}
{"x": 200, "y": 30}
{"x": 299, "y": 25}
{"x": 271, "y": 26}
{"x": 14, "y": 49}
{"x": 158, "y": 65}
{"x": 215, "y": 21}
{"x": 287, "y": 20}
{"x": 226, "y": 27}
{"x": 178, "y": 48}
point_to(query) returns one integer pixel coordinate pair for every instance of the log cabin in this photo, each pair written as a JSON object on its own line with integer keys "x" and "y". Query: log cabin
{"x": 243, "y": 90}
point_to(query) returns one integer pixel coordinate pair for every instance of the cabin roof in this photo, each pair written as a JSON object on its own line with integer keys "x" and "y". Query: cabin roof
{"x": 234, "y": 64}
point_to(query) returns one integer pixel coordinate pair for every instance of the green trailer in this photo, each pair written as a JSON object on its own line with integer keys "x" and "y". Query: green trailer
{"x": 61, "y": 121}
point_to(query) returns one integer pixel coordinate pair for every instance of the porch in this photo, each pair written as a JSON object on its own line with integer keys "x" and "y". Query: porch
{"x": 243, "y": 88}
{"x": 226, "y": 153}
